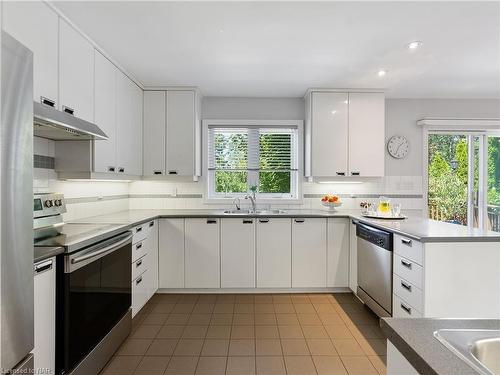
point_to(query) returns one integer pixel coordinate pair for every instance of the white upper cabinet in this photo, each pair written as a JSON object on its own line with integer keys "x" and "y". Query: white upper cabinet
{"x": 366, "y": 134}
{"x": 76, "y": 72}
{"x": 105, "y": 114}
{"x": 129, "y": 100}
{"x": 329, "y": 134}
{"x": 172, "y": 133}
{"x": 35, "y": 25}
{"x": 180, "y": 144}
{"x": 154, "y": 133}
{"x": 344, "y": 134}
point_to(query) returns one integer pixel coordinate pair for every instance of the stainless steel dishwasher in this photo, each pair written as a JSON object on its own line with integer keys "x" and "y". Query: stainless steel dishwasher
{"x": 375, "y": 268}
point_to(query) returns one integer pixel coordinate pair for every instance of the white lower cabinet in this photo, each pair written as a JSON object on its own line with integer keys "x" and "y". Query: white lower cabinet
{"x": 171, "y": 253}
{"x": 144, "y": 264}
{"x": 274, "y": 253}
{"x": 238, "y": 253}
{"x": 397, "y": 364}
{"x": 45, "y": 315}
{"x": 353, "y": 258}
{"x": 202, "y": 253}
{"x": 338, "y": 253}
{"x": 308, "y": 252}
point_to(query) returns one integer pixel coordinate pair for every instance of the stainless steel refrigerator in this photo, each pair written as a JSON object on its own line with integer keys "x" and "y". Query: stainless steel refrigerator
{"x": 16, "y": 206}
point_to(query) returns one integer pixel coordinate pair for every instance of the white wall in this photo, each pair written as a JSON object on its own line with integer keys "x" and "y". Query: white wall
{"x": 253, "y": 108}
{"x": 402, "y": 115}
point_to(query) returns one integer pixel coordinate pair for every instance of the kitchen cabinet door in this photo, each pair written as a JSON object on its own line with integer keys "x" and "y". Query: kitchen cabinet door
{"x": 105, "y": 114}
{"x": 154, "y": 133}
{"x": 129, "y": 126}
{"x": 367, "y": 134}
{"x": 353, "y": 258}
{"x": 338, "y": 253}
{"x": 202, "y": 253}
{"x": 76, "y": 72}
{"x": 171, "y": 253}
{"x": 36, "y": 26}
{"x": 274, "y": 253}
{"x": 238, "y": 253}
{"x": 329, "y": 133}
{"x": 308, "y": 252}
{"x": 151, "y": 244}
{"x": 181, "y": 118}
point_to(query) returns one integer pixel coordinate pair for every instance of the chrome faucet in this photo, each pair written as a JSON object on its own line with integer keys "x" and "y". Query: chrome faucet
{"x": 237, "y": 203}
{"x": 253, "y": 199}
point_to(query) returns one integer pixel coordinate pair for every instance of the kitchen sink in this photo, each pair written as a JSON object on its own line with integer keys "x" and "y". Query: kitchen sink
{"x": 479, "y": 348}
{"x": 258, "y": 212}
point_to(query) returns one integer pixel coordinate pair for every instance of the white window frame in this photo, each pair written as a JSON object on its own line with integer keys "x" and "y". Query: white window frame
{"x": 265, "y": 198}
{"x": 481, "y": 128}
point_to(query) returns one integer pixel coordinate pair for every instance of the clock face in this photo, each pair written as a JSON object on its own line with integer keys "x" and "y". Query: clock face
{"x": 398, "y": 146}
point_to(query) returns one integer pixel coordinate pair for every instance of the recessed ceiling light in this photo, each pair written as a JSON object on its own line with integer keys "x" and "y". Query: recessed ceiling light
{"x": 334, "y": 112}
{"x": 346, "y": 101}
{"x": 414, "y": 45}
{"x": 382, "y": 73}
{"x": 221, "y": 31}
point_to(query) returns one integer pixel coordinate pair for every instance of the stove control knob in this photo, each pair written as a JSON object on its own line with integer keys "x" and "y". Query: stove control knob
{"x": 48, "y": 203}
{"x": 58, "y": 202}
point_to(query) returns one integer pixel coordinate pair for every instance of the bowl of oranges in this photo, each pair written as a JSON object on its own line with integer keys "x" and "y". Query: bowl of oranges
{"x": 330, "y": 202}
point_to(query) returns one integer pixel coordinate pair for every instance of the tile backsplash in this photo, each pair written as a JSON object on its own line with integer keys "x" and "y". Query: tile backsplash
{"x": 90, "y": 198}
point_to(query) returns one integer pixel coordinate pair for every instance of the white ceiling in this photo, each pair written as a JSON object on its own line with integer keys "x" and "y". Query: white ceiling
{"x": 271, "y": 49}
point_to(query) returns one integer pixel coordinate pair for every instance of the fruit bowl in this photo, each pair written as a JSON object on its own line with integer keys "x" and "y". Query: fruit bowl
{"x": 331, "y": 205}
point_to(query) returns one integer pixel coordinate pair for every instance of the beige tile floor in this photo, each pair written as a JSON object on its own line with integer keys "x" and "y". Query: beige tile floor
{"x": 272, "y": 334}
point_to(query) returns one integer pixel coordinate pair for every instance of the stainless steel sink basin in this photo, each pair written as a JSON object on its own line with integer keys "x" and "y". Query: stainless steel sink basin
{"x": 478, "y": 348}
{"x": 258, "y": 212}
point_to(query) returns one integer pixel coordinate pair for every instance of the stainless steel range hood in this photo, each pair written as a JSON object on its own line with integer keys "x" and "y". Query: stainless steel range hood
{"x": 53, "y": 124}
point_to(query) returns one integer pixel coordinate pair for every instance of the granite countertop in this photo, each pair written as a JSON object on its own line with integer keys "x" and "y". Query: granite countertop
{"x": 414, "y": 338}
{"x": 416, "y": 227}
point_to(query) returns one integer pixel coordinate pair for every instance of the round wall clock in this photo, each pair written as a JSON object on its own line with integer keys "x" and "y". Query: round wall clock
{"x": 398, "y": 146}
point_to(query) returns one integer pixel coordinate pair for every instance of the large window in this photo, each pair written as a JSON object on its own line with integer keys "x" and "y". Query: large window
{"x": 464, "y": 178}
{"x": 261, "y": 157}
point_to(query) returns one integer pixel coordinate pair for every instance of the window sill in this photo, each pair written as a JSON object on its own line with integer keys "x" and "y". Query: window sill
{"x": 259, "y": 201}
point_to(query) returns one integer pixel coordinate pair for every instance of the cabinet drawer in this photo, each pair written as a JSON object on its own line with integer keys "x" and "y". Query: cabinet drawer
{"x": 140, "y": 232}
{"x": 409, "y": 248}
{"x": 139, "y": 249}
{"x": 139, "y": 293}
{"x": 408, "y": 292}
{"x": 139, "y": 266}
{"x": 402, "y": 309}
{"x": 408, "y": 270}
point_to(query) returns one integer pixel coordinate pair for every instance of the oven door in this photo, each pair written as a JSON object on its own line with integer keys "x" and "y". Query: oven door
{"x": 94, "y": 293}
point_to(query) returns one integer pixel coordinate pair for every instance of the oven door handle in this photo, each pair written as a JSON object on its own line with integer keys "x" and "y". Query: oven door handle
{"x": 99, "y": 253}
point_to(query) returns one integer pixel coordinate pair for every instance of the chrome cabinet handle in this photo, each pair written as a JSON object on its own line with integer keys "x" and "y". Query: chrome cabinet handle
{"x": 152, "y": 224}
{"x": 172, "y": 172}
{"x": 406, "y": 286}
{"x": 157, "y": 172}
{"x": 299, "y": 220}
{"x": 247, "y": 221}
{"x": 48, "y": 102}
{"x": 340, "y": 173}
{"x": 44, "y": 266}
{"x": 406, "y": 242}
{"x": 263, "y": 221}
{"x": 406, "y": 308}
{"x": 138, "y": 281}
{"x": 68, "y": 110}
{"x": 211, "y": 221}
{"x": 355, "y": 173}
{"x": 138, "y": 263}
{"x": 138, "y": 246}
{"x": 406, "y": 264}
{"x": 121, "y": 169}
{"x": 111, "y": 169}
{"x": 138, "y": 229}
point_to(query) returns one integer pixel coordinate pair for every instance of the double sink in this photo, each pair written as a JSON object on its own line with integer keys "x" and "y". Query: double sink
{"x": 478, "y": 348}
